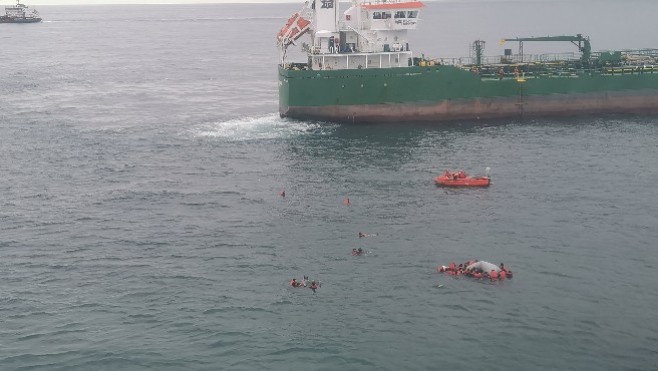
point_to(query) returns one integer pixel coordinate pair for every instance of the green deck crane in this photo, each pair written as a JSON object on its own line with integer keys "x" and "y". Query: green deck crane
{"x": 579, "y": 40}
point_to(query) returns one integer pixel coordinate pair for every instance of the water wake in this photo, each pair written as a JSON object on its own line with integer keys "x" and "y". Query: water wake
{"x": 269, "y": 126}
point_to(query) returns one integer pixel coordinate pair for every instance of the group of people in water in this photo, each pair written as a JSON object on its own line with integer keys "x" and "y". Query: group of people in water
{"x": 358, "y": 252}
{"x": 478, "y": 270}
{"x": 314, "y": 285}
{"x": 455, "y": 175}
{"x": 472, "y": 268}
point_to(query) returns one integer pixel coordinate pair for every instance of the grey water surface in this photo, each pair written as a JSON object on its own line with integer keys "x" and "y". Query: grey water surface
{"x": 141, "y": 226}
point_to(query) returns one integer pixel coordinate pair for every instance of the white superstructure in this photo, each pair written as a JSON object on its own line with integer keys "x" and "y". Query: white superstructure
{"x": 20, "y": 11}
{"x": 369, "y": 34}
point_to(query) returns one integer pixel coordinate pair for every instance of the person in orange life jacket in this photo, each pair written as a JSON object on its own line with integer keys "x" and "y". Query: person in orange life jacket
{"x": 294, "y": 283}
{"x": 508, "y": 273}
{"x": 502, "y": 275}
{"x": 452, "y": 266}
{"x": 314, "y": 286}
{"x": 493, "y": 275}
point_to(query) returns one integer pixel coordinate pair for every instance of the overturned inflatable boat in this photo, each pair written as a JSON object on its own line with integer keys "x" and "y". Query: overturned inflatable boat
{"x": 477, "y": 269}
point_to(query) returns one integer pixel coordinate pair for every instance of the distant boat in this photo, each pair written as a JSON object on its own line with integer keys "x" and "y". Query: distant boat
{"x": 19, "y": 13}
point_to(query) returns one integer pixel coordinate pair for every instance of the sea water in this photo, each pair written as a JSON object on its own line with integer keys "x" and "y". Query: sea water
{"x": 142, "y": 227}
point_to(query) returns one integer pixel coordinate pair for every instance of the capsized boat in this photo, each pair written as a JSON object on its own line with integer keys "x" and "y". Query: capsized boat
{"x": 461, "y": 179}
{"x": 477, "y": 269}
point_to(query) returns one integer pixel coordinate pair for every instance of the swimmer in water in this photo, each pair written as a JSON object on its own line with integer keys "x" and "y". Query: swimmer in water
{"x": 314, "y": 286}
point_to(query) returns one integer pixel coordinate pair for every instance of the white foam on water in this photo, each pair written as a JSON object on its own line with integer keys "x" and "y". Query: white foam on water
{"x": 269, "y": 126}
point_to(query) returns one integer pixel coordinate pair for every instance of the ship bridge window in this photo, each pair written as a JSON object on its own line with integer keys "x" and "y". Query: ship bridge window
{"x": 386, "y": 15}
{"x": 412, "y": 14}
{"x": 377, "y": 15}
{"x": 400, "y": 14}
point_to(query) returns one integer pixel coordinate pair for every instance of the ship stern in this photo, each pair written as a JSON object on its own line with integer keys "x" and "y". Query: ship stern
{"x": 284, "y": 92}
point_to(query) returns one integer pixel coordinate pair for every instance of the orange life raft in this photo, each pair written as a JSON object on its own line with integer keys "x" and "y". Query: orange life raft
{"x": 461, "y": 179}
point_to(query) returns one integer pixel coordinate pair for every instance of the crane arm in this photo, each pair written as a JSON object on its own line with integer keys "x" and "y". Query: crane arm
{"x": 579, "y": 41}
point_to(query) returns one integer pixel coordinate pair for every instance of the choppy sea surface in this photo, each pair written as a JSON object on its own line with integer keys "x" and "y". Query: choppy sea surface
{"x": 141, "y": 226}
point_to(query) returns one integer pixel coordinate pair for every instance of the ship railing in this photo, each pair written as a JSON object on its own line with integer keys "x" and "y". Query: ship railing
{"x": 379, "y": 2}
{"x": 512, "y": 59}
{"x": 359, "y": 33}
{"x": 350, "y": 61}
{"x": 646, "y": 52}
{"x": 523, "y": 72}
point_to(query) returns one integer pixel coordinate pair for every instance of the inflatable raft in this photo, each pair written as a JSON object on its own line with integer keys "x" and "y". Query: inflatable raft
{"x": 477, "y": 269}
{"x": 461, "y": 179}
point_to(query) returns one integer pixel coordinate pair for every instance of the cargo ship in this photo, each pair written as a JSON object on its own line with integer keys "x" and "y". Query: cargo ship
{"x": 360, "y": 68}
{"x": 19, "y": 13}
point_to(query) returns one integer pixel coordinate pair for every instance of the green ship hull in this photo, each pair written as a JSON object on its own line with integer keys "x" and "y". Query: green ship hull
{"x": 448, "y": 93}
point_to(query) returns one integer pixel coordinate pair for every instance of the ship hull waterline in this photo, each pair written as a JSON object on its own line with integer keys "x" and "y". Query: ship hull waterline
{"x": 558, "y": 105}
{"x": 19, "y": 20}
{"x": 455, "y": 95}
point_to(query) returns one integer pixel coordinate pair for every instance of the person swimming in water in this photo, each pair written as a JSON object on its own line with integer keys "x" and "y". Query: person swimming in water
{"x": 314, "y": 286}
